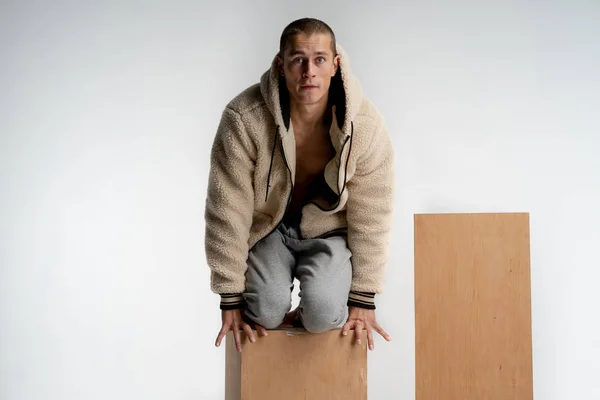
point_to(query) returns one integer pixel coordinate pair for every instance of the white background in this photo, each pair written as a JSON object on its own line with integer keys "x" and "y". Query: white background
{"x": 107, "y": 114}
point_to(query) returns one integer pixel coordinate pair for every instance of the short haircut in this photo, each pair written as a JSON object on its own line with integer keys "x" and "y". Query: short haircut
{"x": 307, "y": 26}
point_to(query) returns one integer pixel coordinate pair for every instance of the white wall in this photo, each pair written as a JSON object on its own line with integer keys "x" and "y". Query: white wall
{"x": 106, "y": 117}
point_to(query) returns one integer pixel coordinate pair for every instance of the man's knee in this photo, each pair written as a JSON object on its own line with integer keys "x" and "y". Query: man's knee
{"x": 320, "y": 313}
{"x": 268, "y": 309}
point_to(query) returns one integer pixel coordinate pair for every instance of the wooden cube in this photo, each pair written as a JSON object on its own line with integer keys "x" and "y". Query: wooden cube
{"x": 292, "y": 364}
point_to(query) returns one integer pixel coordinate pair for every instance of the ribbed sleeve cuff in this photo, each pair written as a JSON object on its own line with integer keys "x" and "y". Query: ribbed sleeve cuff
{"x": 231, "y": 301}
{"x": 362, "y": 300}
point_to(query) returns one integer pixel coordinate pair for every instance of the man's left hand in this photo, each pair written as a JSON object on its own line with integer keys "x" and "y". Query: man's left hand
{"x": 362, "y": 318}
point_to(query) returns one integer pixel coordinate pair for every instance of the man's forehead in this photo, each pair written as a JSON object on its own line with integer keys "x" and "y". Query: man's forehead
{"x": 318, "y": 44}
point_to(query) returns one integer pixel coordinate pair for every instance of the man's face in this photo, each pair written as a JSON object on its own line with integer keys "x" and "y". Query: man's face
{"x": 308, "y": 65}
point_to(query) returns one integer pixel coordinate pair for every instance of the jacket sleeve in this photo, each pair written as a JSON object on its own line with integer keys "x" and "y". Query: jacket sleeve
{"x": 229, "y": 208}
{"x": 369, "y": 215}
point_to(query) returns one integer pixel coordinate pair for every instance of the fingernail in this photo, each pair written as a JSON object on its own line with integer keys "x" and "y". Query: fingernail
{"x": 345, "y": 333}
{"x": 252, "y": 340}
{"x": 370, "y": 347}
{"x": 358, "y": 341}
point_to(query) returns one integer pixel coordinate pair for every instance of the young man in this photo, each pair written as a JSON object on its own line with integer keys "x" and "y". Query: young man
{"x": 301, "y": 186}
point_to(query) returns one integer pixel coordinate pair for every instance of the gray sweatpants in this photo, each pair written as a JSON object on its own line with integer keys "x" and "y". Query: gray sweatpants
{"x": 323, "y": 268}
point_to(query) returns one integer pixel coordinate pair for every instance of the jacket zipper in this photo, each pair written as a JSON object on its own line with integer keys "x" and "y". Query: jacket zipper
{"x": 339, "y": 230}
{"x": 337, "y": 203}
{"x": 289, "y": 200}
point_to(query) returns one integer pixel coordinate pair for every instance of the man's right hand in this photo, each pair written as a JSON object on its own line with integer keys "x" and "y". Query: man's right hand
{"x": 232, "y": 321}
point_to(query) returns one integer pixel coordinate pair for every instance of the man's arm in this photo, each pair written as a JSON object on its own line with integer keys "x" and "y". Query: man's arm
{"x": 369, "y": 214}
{"x": 229, "y": 208}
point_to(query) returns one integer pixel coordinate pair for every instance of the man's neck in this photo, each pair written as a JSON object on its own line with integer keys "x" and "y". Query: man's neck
{"x": 308, "y": 118}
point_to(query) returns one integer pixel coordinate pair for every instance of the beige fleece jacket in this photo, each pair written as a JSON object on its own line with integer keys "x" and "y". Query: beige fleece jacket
{"x": 252, "y": 173}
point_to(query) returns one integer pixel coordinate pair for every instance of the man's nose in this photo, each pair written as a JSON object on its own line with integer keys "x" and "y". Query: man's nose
{"x": 309, "y": 69}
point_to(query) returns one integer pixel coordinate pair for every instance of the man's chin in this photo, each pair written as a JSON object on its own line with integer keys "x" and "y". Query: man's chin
{"x": 308, "y": 100}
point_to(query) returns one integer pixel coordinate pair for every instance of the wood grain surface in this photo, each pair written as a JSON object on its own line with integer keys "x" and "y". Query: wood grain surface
{"x": 294, "y": 364}
{"x": 473, "y": 307}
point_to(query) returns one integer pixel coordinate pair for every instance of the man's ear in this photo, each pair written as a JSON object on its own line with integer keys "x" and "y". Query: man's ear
{"x": 336, "y": 65}
{"x": 279, "y": 63}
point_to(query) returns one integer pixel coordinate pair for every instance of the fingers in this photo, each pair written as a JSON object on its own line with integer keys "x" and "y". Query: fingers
{"x": 370, "y": 340}
{"x": 249, "y": 332}
{"x": 222, "y": 333}
{"x": 358, "y": 332}
{"x": 232, "y": 320}
{"x": 380, "y": 330}
{"x": 261, "y": 330}
{"x": 238, "y": 340}
{"x": 347, "y": 326}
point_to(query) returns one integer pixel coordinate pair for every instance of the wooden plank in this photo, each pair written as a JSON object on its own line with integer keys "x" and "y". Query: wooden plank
{"x": 473, "y": 307}
{"x": 293, "y": 364}
{"x": 233, "y": 370}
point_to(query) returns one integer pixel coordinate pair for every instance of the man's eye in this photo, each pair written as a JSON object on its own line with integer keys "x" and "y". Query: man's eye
{"x": 297, "y": 61}
{"x": 320, "y": 59}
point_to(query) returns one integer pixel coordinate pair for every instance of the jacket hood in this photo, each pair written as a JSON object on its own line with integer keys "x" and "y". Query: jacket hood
{"x": 345, "y": 93}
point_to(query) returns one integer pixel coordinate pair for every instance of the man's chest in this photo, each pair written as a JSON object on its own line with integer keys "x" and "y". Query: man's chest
{"x": 312, "y": 155}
